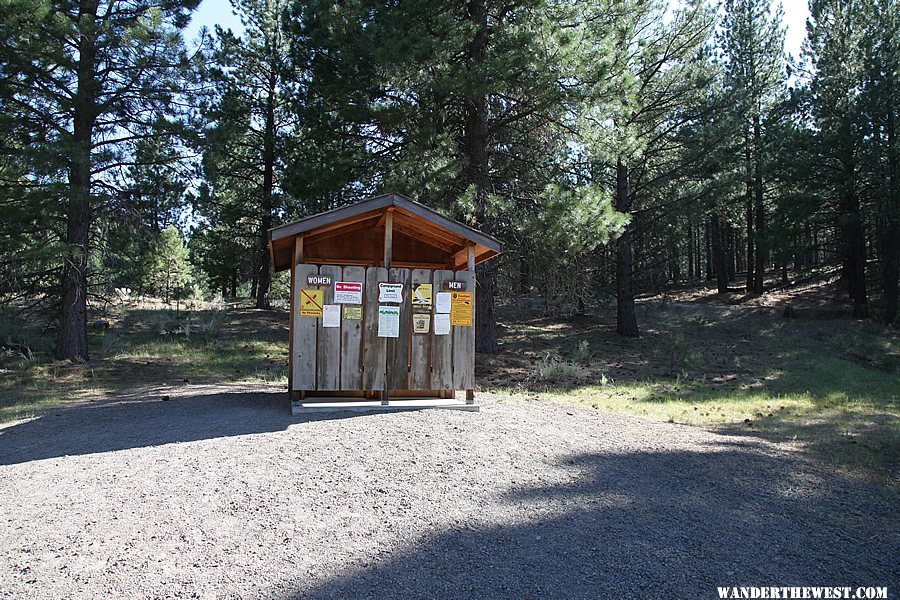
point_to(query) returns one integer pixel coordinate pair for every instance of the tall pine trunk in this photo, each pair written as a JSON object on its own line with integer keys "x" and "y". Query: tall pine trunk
{"x": 730, "y": 260}
{"x": 476, "y": 147}
{"x": 524, "y": 275}
{"x": 748, "y": 203}
{"x": 626, "y": 321}
{"x": 854, "y": 247}
{"x": 708, "y": 246}
{"x": 759, "y": 214}
{"x": 72, "y": 340}
{"x": 718, "y": 252}
{"x": 264, "y": 282}
{"x": 690, "y": 251}
{"x": 890, "y": 245}
{"x": 850, "y": 226}
{"x": 697, "y": 253}
{"x": 890, "y": 268}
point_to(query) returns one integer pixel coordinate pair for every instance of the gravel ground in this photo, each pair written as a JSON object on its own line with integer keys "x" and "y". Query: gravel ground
{"x": 219, "y": 493}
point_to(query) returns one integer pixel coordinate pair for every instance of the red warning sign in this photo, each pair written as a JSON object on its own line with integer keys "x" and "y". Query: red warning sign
{"x": 347, "y": 292}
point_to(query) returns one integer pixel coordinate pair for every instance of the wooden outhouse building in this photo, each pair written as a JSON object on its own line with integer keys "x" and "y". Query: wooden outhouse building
{"x": 382, "y": 304}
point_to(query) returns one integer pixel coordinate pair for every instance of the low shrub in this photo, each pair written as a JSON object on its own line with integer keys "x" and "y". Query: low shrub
{"x": 553, "y": 370}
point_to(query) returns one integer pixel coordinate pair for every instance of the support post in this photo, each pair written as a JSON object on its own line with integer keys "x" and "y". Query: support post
{"x": 388, "y": 238}
{"x": 388, "y": 255}
{"x": 470, "y": 394}
{"x": 297, "y": 258}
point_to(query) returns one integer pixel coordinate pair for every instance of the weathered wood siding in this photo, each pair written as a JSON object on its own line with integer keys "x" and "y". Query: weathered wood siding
{"x": 464, "y": 342}
{"x": 352, "y": 338}
{"x": 398, "y": 348}
{"x": 304, "y": 359}
{"x": 420, "y": 344}
{"x": 374, "y": 347}
{"x": 442, "y": 345}
{"x": 354, "y": 358}
{"x": 328, "y": 359}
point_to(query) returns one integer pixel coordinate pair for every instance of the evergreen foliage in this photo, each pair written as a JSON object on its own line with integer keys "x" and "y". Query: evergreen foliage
{"x": 616, "y": 147}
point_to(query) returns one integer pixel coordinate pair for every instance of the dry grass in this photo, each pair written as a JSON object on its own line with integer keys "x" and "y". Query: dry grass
{"x": 149, "y": 344}
{"x": 830, "y": 386}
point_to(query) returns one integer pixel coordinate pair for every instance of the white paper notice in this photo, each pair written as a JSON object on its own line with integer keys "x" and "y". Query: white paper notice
{"x": 390, "y": 292}
{"x": 442, "y": 302}
{"x": 331, "y": 315}
{"x": 389, "y": 321}
{"x": 442, "y": 323}
{"x": 347, "y": 292}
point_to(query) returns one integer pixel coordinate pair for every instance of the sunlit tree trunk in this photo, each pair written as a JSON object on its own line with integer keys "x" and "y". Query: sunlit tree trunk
{"x": 476, "y": 146}
{"x": 72, "y": 341}
{"x": 626, "y": 320}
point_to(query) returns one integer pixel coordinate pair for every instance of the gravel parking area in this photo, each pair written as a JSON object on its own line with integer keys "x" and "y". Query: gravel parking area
{"x": 218, "y": 492}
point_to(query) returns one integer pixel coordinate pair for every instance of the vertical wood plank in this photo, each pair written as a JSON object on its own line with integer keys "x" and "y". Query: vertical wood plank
{"x": 388, "y": 258}
{"x": 297, "y": 259}
{"x": 442, "y": 345}
{"x": 304, "y": 360}
{"x": 328, "y": 359}
{"x": 352, "y": 338}
{"x": 398, "y": 348}
{"x": 292, "y": 307}
{"x": 470, "y": 255}
{"x": 374, "y": 347}
{"x": 420, "y": 344}
{"x": 464, "y": 342}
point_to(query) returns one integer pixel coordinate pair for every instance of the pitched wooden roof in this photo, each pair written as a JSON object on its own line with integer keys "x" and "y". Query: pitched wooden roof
{"x": 353, "y": 234}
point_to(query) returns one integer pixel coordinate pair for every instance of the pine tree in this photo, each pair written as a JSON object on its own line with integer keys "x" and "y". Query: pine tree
{"x": 445, "y": 84}
{"x": 880, "y": 102}
{"x": 246, "y": 148}
{"x": 169, "y": 273}
{"x": 752, "y": 42}
{"x": 834, "y": 49}
{"x": 90, "y": 78}
{"x": 641, "y": 70}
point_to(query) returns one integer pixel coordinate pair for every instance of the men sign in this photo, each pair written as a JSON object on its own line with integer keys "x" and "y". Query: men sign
{"x": 311, "y": 302}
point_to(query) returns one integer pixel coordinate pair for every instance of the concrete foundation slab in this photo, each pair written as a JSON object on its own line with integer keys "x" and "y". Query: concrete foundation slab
{"x": 328, "y": 405}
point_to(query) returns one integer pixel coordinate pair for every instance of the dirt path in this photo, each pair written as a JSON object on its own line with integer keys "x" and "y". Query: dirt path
{"x": 219, "y": 493}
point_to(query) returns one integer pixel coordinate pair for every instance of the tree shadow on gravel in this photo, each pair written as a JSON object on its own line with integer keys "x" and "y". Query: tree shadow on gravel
{"x": 134, "y": 421}
{"x": 647, "y": 525}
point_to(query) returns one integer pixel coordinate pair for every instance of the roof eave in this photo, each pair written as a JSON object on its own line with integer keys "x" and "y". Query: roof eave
{"x": 377, "y": 203}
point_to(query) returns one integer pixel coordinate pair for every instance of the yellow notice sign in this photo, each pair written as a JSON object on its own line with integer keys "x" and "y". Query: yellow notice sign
{"x": 311, "y": 302}
{"x": 461, "y": 308}
{"x": 352, "y": 313}
{"x": 422, "y": 295}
